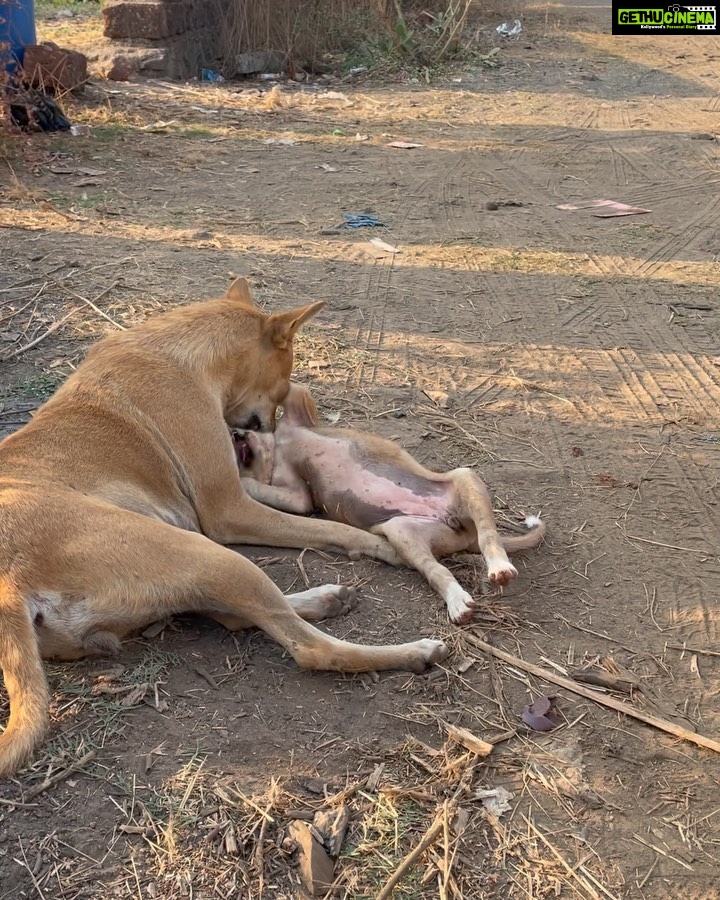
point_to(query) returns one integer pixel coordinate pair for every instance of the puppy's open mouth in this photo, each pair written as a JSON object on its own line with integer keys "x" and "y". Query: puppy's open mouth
{"x": 242, "y": 449}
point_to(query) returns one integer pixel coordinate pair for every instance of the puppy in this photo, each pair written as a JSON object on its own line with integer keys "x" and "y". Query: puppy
{"x": 371, "y": 483}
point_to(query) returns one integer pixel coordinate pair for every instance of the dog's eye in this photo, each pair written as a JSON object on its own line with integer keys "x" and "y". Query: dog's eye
{"x": 38, "y": 620}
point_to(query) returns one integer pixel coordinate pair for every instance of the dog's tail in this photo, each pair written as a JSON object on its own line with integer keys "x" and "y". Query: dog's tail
{"x": 528, "y": 541}
{"x": 24, "y": 680}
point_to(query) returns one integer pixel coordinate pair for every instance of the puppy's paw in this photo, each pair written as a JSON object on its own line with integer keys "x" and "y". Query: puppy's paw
{"x": 426, "y": 652}
{"x": 461, "y": 606}
{"x": 502, "y": 573}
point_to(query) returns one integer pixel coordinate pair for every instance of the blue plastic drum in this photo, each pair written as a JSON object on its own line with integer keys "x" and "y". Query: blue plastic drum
{"x": 17, "y": 30}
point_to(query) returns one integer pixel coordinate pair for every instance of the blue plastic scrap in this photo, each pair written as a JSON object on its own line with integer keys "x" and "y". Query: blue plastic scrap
{"x": 363, "y": 220}
{"x": 211, "y": 76}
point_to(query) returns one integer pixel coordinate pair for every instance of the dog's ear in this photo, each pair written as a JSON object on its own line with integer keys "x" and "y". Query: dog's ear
{"x": 281, "y": 327}
{"x": 240, "y": 292}
{"x": 300, "y": 407}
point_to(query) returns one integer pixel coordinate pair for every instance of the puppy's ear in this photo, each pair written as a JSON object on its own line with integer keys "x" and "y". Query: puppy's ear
{"x": 281, "y": 327}
{"x": 300, "y": 407}
{"x": 240, "y": 292}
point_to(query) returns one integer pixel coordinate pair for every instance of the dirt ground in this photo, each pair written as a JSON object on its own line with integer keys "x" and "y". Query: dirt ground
{"x": 573, "y": 360}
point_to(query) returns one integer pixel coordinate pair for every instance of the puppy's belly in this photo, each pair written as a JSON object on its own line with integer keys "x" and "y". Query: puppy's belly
{"x": 367, "y": 499}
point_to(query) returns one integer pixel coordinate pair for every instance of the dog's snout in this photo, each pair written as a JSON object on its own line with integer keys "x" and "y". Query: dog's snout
{"x": 254, "y": 423}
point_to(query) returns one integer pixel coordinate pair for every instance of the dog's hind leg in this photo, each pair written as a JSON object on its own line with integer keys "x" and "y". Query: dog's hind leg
{"x": 474, "y": 508}
{"x": 412, "y": 539}
{"x": 24, "y": 679}
{"x": 142, "y": 570}
{"x": 324, "y": 602}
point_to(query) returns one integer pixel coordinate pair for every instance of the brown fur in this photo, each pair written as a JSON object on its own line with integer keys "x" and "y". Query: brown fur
{"x": 368, "y": 482}
{"x": 116, "y": 497}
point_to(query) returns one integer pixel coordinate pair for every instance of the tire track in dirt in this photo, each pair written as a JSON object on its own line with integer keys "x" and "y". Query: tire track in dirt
{"x": 648, "y": 334}
{"x": 680, "y": 489}
{"x": 371, "y": 333}
{"x": 642, "y": 386}
{"x": 693, "y": 614}
{"x": 688, "y": 235}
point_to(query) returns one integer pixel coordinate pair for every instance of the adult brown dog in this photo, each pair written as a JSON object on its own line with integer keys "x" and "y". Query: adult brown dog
{"x": 115, "y": 498}
{"x": 369, "y": 482}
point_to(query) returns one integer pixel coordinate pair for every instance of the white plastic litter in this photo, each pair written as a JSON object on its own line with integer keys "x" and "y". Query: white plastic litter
{"x": 495, "y": 800}
{"x": 510, "y": 31}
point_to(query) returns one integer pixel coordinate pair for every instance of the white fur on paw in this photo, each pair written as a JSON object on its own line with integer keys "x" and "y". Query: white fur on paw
{"x": 502, "y": 573}
{"x": 461, "y": 606}
{"x": 324, "y": 602}
{"x": 429, "y": 651}
{"x": 533, "y": 521}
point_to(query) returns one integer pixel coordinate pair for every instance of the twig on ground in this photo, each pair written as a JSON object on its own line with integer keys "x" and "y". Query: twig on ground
{"x": 5, "y": 802}
{"x": 563, "y": 862}
{"x": 53, "y": 328}
{"x": 60, "y": 776}
{"x": 693, "y": 650}
{"x": 93, "y": 303}
{"x": 468, "y": 740}
{"x": 24, "y": 862}
{"x": 427, "y": 839}
{"x": 602, "y": 699}
{"x": 634, "y": 537}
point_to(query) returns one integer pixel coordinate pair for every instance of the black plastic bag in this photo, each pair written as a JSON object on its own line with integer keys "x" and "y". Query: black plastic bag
{"x": 35, "y": 110}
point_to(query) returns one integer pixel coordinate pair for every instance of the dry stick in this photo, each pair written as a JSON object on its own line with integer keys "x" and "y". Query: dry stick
{"x": 54, "y": 327}
{"x": 561, "y": 859}
{"x": 92, "y": 303}
{"x": 60, "y": 776}
{"x": 430, "y": 835}
{"x": 417, "y": 851}
{"x": 24, "y": 862}
{"x": 602, "y": 699}
{"x": 4, "y": 802}
{"x": 634, "y": 537}
{"x": 693, "y": 649}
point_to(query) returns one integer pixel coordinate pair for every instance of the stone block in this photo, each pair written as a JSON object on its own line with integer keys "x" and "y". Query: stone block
{"x": 137, "y": 19}
{"x": 48, "y": 65}
{"x": 259, "y": 61}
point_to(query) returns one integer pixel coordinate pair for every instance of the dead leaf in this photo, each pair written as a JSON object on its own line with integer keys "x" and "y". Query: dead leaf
{"x": 159, "y": 127}
{"x": 388, "y": 248}
{"x": 439, "y": 398}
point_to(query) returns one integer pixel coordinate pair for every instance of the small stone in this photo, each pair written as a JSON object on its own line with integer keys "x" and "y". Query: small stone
{"x": 122, "y": 69}
{"x": 316, "y": 867}
{"x": 492, "y": 205}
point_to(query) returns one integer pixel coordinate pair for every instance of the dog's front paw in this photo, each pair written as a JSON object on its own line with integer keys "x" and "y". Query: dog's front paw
{"x": 324, "y": 602}
{"x": 461, "y": 606}
{"x": 425, "y": 653}
{"x": 502, "y": 573}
